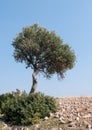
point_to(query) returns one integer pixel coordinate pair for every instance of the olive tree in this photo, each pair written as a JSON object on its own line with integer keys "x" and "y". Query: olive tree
{"x": 43, "y": 51}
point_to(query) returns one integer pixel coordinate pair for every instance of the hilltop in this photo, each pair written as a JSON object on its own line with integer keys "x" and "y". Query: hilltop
{"x": 74, "y": 113}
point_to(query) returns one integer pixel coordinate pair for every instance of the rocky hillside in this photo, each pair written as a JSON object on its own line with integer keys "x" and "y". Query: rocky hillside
{"x": 74, "y": 113}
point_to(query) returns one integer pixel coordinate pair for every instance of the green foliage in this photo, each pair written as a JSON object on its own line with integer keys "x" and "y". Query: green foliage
{"x": 28, "y": 109}
{"x": 43, "y": 50}
{"x": 4, "y": 98}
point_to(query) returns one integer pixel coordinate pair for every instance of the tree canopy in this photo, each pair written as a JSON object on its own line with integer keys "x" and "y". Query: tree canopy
{"x": 44, "y": 51}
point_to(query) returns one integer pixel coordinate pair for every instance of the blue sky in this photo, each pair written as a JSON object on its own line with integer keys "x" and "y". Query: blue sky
{"x": 71, "y": 20}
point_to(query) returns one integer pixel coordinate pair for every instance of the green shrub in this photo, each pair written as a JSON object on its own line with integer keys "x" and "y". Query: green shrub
{"x": 4, "y": 98}
{"x": 28, "y": 109}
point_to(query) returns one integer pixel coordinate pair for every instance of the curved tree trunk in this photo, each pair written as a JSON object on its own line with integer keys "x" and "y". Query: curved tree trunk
{"x": 34, "y": 76}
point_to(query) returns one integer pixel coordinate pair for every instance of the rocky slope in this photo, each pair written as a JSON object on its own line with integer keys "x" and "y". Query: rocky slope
{"x": 74, "y": 113}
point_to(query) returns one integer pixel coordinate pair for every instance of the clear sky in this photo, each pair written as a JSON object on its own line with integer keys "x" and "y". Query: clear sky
{"x": 71, "y": 20}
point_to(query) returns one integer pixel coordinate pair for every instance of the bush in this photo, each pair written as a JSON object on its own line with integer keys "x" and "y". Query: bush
{"x": 3, "y": 99}
{"x": 28, "y": 109}
{"x": 7, "y": 97}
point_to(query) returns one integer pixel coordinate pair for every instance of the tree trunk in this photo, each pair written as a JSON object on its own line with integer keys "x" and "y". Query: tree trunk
{"x": 34, "y": 76}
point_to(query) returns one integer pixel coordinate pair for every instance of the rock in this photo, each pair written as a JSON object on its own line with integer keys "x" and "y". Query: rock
{"x": 51, "y": 115}
{"x": 76, "y": 111}
{"x": 5, "y": 126}
{"x": 56, "y": 128}
{"x": 87, "y": 115}
{"x": 19, "y": 128}
{"x": 37, "y": 127}
{"x": 61, "y": 120}
{"x": 46, "y": 118}
{"x": 78, "y": 114}
{"x": 58, "y": 114}
{"x": 60, "y": 129}
{"x": 77, "y": 118}
{"x": 72, "y": 125}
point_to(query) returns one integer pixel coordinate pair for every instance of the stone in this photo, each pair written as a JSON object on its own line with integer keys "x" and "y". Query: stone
{"x": 37, "y": 126}
{"x": 46, "y": 118}
{"x": 77, "y": 118}
{"x": 51, "y": 115}
{"x": 5, "y": 126}
{"x": 76, "y": 111}
{"x": 87, "y": 115}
